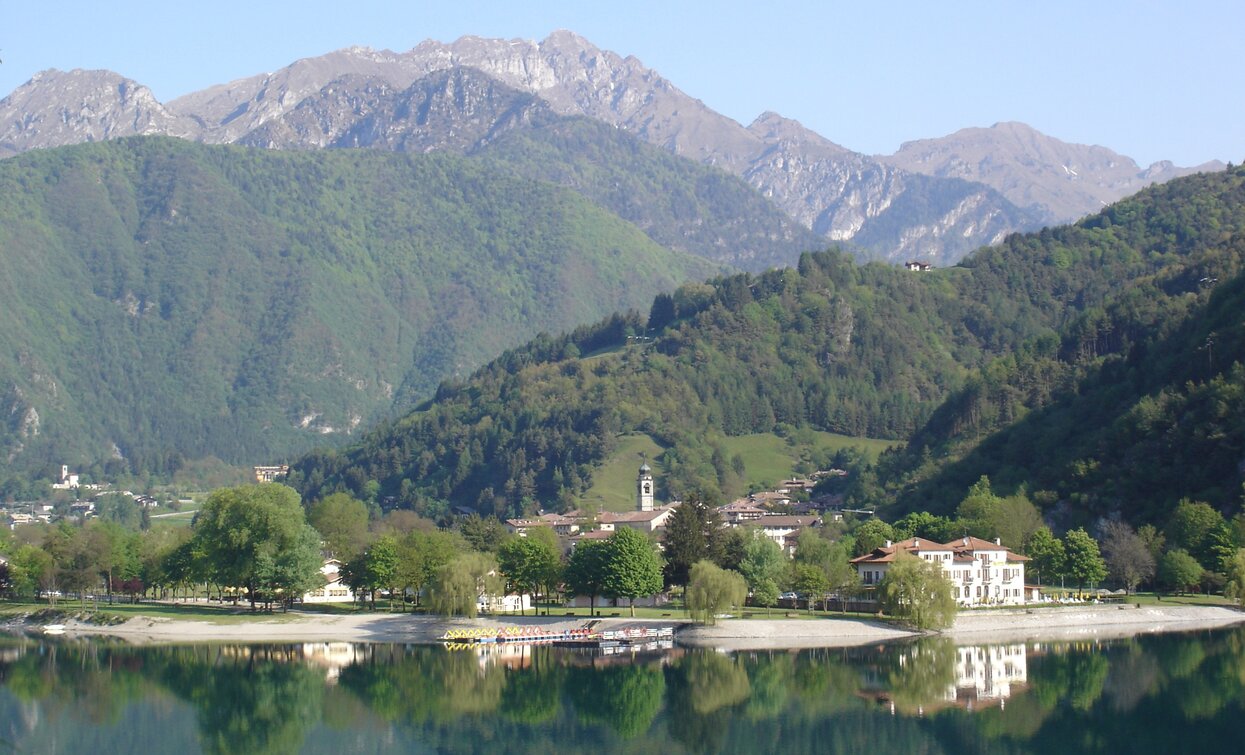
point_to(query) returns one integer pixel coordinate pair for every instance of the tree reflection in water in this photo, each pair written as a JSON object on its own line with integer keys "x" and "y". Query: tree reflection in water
{"x": 1173, "y": 692}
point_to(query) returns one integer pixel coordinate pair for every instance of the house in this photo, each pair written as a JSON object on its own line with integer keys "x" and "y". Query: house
{"x": 334, "y": 590}
{"x": 741, "y": 511}
{"x": 271, "y": 473}
{"x": 644, "y": 521}
{"x": 565, "y": 525}
{"x": 918, "y": 266}
{"x": 981, "y": 572}
{"x": 783, "y": 529}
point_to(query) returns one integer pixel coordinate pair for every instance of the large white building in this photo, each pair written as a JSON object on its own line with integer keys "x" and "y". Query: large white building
{"x": 981, "y": 572}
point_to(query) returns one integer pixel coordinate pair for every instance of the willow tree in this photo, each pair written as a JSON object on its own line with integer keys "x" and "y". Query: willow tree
{"x": 712, "y": 590}
{"x": 458, "y": 586}
{"x": 918, "y": 593}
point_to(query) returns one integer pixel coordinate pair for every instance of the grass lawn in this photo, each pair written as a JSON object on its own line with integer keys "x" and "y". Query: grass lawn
{"x": 210, "y": 613}
{"x": 1153, "y": 599}
{"x": 613, "y": 484}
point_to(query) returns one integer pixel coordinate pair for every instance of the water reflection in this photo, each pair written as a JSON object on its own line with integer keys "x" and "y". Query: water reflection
{"x": 1172, "y": 692}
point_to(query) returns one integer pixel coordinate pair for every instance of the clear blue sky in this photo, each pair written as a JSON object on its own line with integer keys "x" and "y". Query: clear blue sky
{"x": 1152, "y": 80}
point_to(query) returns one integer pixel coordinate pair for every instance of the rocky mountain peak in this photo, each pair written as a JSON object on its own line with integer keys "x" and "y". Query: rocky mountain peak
{"x": 773, "y": 128}
{"x": 1058, "y": 180}
{"x": 65, "y": 107}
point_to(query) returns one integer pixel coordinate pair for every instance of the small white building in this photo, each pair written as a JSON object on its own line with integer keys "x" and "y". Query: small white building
{"x": 981, "y": 572}
{"x": 503, "y": 603}
{"x": 783, "y": 529}
{"x": 334, "y": 590}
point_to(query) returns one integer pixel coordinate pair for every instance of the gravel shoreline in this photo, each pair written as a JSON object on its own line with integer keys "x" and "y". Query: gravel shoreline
{"x": 1065, "y": 622}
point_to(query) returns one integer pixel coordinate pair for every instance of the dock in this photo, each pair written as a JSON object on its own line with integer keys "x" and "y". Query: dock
{"x": 581, "y": 637}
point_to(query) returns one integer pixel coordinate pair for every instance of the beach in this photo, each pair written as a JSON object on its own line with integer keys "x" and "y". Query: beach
{"x": 971, "y": 627}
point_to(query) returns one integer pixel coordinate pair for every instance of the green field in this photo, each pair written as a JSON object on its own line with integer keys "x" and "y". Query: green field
{"x": 613, "y": 484}
{"x": 767, "y": 459}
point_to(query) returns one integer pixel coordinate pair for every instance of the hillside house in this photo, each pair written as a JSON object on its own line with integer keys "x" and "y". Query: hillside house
{"x": 271, "y": 473}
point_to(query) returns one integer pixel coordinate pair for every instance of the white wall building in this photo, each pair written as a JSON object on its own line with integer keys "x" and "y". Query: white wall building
{"x": 334, "y": 590}
{"x": 981, "y": 572}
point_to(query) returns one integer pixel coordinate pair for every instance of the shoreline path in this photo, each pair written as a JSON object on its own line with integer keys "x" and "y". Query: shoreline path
{"x": 971, "y": 627}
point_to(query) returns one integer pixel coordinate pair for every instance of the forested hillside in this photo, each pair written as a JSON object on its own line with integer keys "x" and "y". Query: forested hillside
{"x": 860, "y": 350}
{"x": 166, "y": 300}
{"x": 1140, "y": 401}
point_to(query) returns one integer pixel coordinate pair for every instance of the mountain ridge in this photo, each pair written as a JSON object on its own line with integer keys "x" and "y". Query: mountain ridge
{"x": 829, "y": 189}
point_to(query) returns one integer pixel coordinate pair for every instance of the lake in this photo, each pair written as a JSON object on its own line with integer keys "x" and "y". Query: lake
{"x": 1157, "y": 693}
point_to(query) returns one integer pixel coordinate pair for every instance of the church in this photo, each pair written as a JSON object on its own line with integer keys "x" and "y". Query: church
{"x": 648, "y": 516}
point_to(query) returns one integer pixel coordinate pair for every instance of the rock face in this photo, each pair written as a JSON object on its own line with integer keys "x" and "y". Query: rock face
{"x": 935, "y": 199}
{"x": 56, "y": 108}
{"x": 458, "y": 109}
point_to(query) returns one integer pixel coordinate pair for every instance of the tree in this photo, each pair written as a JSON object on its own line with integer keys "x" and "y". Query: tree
{"x": 691, "y": 536}
{"x": 342, "y": 521}
{"x": 484, "y": 534}
{"x": 458, "y": 586}
{"x": 1013, "y": 519}
{"x": 530, "y": 563}
{"x": 421, "y": 553}
{"x": 585, "y": 571}
{"x": 1047, "y": 554}
{"x": 633, "y": 568}
{"x": 872, "y": 534}
{"x": 1083, "y": 561}
{"x": 1198, "y": 529}
{"x": 32, "y": 570}
{"x": 1128, "y": 559}
{"x": 810, "y": 581}
{"x": 244, "y": 532}
{"x": 1179, "y": 571}
{"x": 917, "y": 592}
{"x": 833, "y": 560}
{"x": 712, "y": 590}
{"x": 294, "y": 570}
{"x": 120, "y": 509}
{"x": 1235, "y": 588}
{"x": 924, "y": 525}
{"x": 374, "y": 569}
{"x": 763, "y": 567}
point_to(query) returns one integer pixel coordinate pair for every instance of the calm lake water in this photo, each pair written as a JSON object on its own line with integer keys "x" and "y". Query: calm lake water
{"x": 1163, "y": 694}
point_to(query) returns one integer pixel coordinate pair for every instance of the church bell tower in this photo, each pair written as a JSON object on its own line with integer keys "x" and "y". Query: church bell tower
{"x": 644, "y": 489}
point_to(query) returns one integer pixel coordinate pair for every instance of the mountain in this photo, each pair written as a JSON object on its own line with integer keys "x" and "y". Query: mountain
{"x": 1057, "y": 181}
{"x": 1073, "y": 360}
{"x": 680, "y": 204}
{"x": 167, "y": 300}
{"x": 57, "y": 108}
{"x": 1136, "y": 402}
{"x": 935, "y": 200}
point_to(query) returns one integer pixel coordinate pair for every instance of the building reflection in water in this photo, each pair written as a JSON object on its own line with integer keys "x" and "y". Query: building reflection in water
{"x": 935, "y": 674}
{"x": 985, "y": 674}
